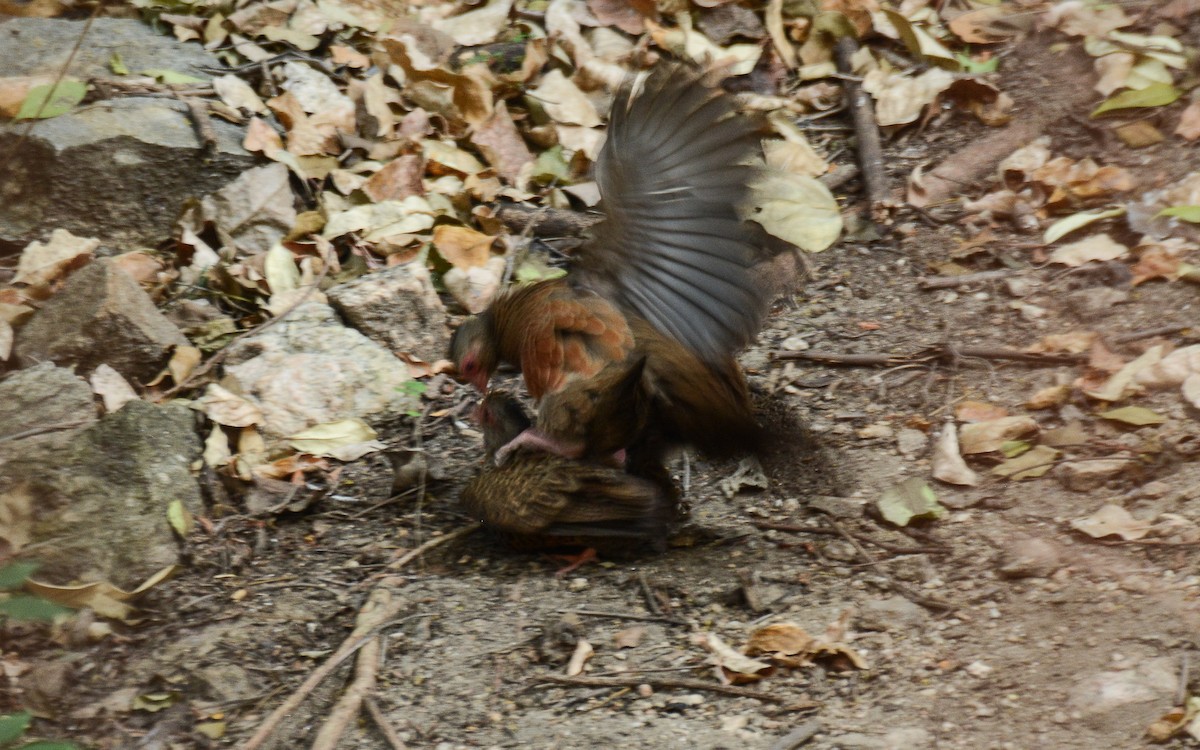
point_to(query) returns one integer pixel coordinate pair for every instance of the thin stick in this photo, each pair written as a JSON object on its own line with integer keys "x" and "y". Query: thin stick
{"x": 624, "y": 616}
{"x": 798, "y": 736}
{"x": 435, "y": 542}
{"x": 1149, "y": 333}
{"x": 381, "y": 722}
{"x": 886, "y": 546}
{"x": 866, "y": 129}
{"x": 656, "y": 682}
{"x": 951, "y": 282}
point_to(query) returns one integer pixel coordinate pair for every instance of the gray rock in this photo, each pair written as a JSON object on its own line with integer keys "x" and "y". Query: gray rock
{"x": 893, "y": 613}
{"x": 1029, "y": 558}
{"x": 102, "y": 498}
{"x": 43, "y": 397}
{"x": 309, "y": 369}
{"x": 396, "y": 308}
{"x": 118, "y": 169}
{"x": 100, "y": 316}
{"x": 1084, "y": 476}
{"x": 1154, "y": 680}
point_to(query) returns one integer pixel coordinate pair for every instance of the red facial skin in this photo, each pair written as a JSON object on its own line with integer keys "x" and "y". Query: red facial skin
{"x": 472, "y": 373}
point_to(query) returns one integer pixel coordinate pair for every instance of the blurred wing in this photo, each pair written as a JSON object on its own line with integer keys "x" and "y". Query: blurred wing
{"x": 672, "y": 247}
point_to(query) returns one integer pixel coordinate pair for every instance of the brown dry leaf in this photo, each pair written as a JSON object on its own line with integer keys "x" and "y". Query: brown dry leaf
{"x": 782, "y": 638}
{"x": 1081, "y": 19}
{"x": 470, "y": 95}
{"x": 620, "y": 13}
{"x": 1050, "y": 397}
{"x": 1139, "y": 134}
{"x": 1189, "y": 122}
{"x": 463, "y": 247}
{"x": 1113, "y": 71}
{"x": 446, "y": 158}
{"x": 111, "y": 387}
{"x": 398, "y": 179}
{"x": 375, "y": 98}
{"x": 304, "y": 138}
{"x": 982, "y": 26}
{"x": 340, "y": 54}
{"x": 43, "y": 263}
{"x": 1112, "y": 520}
{"x": 1029, "y": 465}
{"x": 630, "y": 637}
{"x": 260, "y": 136}
{"x": 1155, "y": 262}
{"x": 985, "y": 437}
{"x": 978, "y": 411}
{"x": 1098, "y": 247}
{"x": 503, "y": 147}
{"x": 184, "y": 361}
{"x": 103, "y": 598}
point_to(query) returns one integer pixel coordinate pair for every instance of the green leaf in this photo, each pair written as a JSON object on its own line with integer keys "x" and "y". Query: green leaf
{"x": 13, "y": 575}
{"x": 13, "y": 726}
{"x": 180, "y": 518}
{"x": 1028, "y": 465}
{"x": 118, "y": 65}
{"x": 42, "y": 102}
{"x": 911, "y": 499}
{"x": 1014, "y": 448}
{"x": 1154, "y": 95}
{"x": 1134, "y": 415}
{"x": 31, "y": 609}
{"x": 1187, "y": 213}
{"x": 970, "y": 65}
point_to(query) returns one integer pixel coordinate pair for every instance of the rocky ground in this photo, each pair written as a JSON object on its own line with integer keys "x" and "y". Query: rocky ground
{"x": 1015, "y": 618}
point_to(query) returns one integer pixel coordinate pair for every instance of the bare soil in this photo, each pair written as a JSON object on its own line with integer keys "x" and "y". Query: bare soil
{"x": 1085, "y": 655}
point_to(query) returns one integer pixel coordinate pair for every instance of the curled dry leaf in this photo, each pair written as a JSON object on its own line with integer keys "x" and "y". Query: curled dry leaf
{"x": 397, "y": 180}
{"x": 789, "y": 645}
{"x": 238, "y": 94}
{"x": 476, "y": 27}
{"x": 216, "y": 448}
{"x": 476, "y": 286}
{"x": 947, "y": 462}
{"x": 1122, "y": 383}
{"x": 503, "y": 147}
{"x": 227, "y": 408}
{"x": 102, "y": 597}
{"x": 734, "y": 665}
{"x": 579, "y": 658}
{"x": 43, "y": 263}
{"x": 985, "y": 437}
{"x": 564, "y": 102}
{"x": 899, "y": 99}
{"x": 1033, "y": 463}
{"x": 345, "y": 440}
{"x": 1050, "y": 397}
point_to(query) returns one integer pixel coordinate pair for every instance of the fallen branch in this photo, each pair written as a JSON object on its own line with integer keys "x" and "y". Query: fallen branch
{"x": 656, "y": 682}
{"x": 866, "y": 130}
{"x": 947, "y": 353}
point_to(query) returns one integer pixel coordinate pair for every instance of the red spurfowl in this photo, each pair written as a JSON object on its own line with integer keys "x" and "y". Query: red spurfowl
{"x": 667, "y": 275}
{"x": 542, "y": 501}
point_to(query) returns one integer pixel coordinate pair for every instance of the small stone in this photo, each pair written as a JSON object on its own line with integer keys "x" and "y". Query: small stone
{"x": 644, "y": 690}
{"x": 910, "y": 442}
{"x": 1084, "y": 476}
{"x": 1029, "y": 558}
{"x": 577, "y": 584}
{"x": 794, "y": 344}
{"x": 978, "y": 669}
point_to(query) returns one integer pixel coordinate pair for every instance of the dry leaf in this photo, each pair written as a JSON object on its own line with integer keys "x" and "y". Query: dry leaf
{"x": 503, "y": 147}
{"x": 226, "y": 408}
{"x": 1122, "y": 383}
{"x": 947, "y": 461}
{"x": 1189, "y": 122}
{"x": 462, "y": 247}
{"x": 736, "y": 666}
{"x": 630, "y": 637}
{"x": 564, "y": 102}
{"x": 1112, "y": 520}
{"x": 111, "y": 387}
{"x": 397, "y": 180}
{"x": 985, "y": 437}
{"x": 579, "y": 659}
{"x": 43, "y": 263}
{"x": 1098, "y": 247}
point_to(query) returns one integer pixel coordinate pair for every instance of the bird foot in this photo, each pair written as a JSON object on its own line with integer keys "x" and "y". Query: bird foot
{"x": 574, "y": 562}
{"x": 531, "y": 438}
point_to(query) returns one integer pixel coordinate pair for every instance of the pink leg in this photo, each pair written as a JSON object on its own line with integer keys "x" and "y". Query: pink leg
{"x": 531, "y": 438}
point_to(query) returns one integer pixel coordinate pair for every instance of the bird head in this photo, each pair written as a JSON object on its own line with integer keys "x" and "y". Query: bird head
{"x": 473, "y": 352}
{"x": 502, "y": 418}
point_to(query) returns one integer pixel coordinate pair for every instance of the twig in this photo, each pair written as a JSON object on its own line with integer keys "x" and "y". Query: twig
{"x": 381, "y": 722}
{"x": 648, "y": 594}
{"x": 198, "y": 109}
{"x": 1149, "y": 333}
{"x": 380, "y": 608}
{"x": 896, "y": 549}
{"x": 866, "y": 129}
{"x": 656, "y": 682}
{"x": 435, "y": 542}
{"x": 624, "y": 616}
{"x": 366, "y": 667}
{"x": 798, "y": 736}
{"x": 43, "y": 429}
{"x": 950, "y": 282}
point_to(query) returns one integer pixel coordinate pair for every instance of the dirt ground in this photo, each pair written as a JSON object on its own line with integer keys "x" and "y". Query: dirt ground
{"x": 996, "y": 626}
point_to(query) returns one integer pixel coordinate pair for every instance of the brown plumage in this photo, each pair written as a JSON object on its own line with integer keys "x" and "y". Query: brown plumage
{"x": 542, "y": 501}
{"x": 666, "y": 277}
